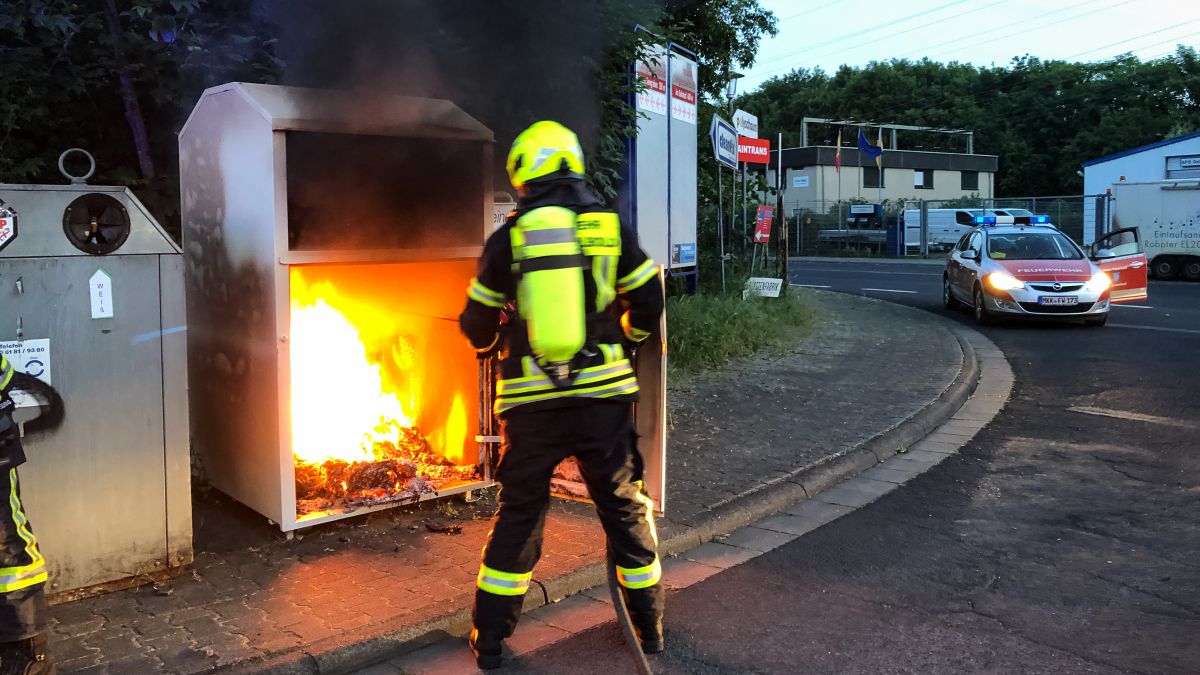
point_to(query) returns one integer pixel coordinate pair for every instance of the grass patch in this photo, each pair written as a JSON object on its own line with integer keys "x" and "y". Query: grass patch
{"x": 704, "y": 332}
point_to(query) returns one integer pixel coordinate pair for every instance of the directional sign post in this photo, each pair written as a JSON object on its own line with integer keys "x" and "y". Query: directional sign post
{"x": 724, "y": 142}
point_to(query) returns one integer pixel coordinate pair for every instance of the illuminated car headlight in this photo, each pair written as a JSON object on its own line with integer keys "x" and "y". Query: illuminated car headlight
{"x": 1099, "y": 283}
{"x": 1002, "y": 281}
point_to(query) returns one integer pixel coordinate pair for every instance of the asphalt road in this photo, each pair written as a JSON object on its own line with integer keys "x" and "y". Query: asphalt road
{"x": 1057, "y": 541}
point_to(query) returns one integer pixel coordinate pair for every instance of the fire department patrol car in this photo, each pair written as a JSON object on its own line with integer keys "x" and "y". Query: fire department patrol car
{"x": 1024, "y": 267}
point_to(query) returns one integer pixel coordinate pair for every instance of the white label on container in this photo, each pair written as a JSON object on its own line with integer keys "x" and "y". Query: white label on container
{"x": 31, "y": 357}
{"x": 101, "y": 289}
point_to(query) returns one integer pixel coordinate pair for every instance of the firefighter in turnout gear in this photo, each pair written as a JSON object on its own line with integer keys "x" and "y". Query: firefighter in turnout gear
{"x": 24, "y": 615}
{"x": 560, "y": 291}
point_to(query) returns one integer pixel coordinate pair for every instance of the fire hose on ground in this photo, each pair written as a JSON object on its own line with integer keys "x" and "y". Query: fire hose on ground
{"x": 618, "y": 600}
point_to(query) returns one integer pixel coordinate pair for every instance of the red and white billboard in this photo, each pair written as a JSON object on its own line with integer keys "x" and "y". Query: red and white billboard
{"x": 653, "y": 74}
{"x": 754, "y": 150}
{"x": 683, "y": 89}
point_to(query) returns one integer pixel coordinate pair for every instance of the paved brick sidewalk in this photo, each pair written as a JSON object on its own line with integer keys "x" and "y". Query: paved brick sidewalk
{"x": 252, "y": 593}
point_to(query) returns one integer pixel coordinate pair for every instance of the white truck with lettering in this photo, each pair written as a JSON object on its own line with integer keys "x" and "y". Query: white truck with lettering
{"x": 1167, "y": 215}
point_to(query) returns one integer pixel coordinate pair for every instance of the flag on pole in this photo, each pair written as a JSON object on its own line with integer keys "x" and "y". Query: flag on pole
{"x": 837, "y": 156}
{"x": 879, "y": 142}
{"x": 871, "y": 151}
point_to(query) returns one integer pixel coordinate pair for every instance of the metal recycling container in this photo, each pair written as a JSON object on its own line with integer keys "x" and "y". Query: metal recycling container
{"x": 91, "y": 301}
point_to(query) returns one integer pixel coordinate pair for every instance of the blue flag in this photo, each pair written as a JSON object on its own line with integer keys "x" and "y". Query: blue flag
{"x": 872, "y": 151}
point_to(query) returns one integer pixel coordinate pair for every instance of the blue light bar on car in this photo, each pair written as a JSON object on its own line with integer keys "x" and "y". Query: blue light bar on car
{"x": 1040, "y": 220}
{"x": 985, "y": 220}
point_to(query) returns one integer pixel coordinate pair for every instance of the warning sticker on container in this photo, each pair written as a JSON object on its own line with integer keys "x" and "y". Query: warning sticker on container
{"x": 31, "y": 357}
{"x": 8, "y": 228}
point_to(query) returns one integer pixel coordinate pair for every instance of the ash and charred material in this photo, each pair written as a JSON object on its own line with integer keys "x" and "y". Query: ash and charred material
{"x": 403, "y": 472}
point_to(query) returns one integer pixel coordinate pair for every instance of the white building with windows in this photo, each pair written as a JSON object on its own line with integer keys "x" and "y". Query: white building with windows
{"x": 812, "y": 179}
{"x": 1169, "y": 159}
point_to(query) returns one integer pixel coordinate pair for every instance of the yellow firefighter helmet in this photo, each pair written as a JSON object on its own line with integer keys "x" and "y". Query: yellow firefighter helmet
{"x": 546, "y": 149}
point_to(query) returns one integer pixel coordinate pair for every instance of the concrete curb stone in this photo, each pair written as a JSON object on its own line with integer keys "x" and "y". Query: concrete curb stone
{"x": 373, "y": 644}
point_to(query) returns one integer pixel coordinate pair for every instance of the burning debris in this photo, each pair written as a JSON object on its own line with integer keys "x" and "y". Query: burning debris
{"x": 403, "y": 470}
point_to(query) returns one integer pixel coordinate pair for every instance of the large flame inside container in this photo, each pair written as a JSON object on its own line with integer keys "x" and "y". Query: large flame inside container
{"x": 358, "y": 376}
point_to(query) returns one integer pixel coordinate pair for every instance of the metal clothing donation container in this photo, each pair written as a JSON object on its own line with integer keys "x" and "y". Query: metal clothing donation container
{"x": 91, "y": 302}
{"x": 329, "y": 239}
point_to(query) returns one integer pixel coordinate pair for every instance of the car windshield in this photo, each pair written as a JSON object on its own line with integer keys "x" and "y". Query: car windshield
{"x": 1032, "y": 246}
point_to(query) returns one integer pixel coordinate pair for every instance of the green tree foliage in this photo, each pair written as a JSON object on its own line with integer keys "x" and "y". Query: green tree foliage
{"x": 66, "y": 66}
{"x": 1043, "y": 118}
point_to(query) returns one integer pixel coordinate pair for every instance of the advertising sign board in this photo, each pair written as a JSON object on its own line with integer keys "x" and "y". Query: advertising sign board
{"x": 754, "y": 150}
{"x": 745, "y": 123}
{"x": 762, "y": 224}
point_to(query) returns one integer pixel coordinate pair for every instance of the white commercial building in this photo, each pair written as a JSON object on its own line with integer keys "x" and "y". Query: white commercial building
{"x": 1174, "y": 158}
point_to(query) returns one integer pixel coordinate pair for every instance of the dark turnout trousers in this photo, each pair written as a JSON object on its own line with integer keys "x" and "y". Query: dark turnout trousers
{"x": 23, "y": 610}
{"x": 600, "y": 435}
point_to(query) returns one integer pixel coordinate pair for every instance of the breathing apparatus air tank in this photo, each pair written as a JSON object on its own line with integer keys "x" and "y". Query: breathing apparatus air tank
{"x": 549, "y": 264}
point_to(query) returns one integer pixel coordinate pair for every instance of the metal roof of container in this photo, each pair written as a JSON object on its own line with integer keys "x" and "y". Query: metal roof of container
{"x": 354, "y": 112}
{"x": 1142, "y": 148}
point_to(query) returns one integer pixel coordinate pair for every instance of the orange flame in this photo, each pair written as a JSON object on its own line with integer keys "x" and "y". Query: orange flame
{"x": 340, "y": 408}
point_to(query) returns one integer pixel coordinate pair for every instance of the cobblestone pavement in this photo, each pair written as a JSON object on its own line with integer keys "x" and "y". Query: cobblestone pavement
{"x": 253, "y": 593}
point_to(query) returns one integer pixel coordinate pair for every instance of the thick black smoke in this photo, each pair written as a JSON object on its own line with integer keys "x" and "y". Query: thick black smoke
{"x": 506, "y": 63}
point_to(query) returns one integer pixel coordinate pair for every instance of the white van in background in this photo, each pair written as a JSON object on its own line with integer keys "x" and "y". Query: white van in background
{"x": 946, "y": 226}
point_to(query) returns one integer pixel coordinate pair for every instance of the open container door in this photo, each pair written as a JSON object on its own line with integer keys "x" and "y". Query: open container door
{"x": 1119, "y": 253}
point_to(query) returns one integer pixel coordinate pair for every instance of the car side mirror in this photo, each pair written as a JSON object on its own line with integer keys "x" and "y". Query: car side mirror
{"x": 970, "y": 254}
{"x": 1103, "y": 254}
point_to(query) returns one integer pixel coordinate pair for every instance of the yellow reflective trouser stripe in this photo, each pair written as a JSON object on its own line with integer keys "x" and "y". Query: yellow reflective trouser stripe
{"x": 620, "y": 388}
{"x": 502, "y": 583}
{"x": 16, "y": 578}
{"x": 637, "y": 277}
{"x": 642, "y": 498}
{"x": 640, "y": 577}
{"x": 484, "y": 295}
{"x": 6, "y": 372}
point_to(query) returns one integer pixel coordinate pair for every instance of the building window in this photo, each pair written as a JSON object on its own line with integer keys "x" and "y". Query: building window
{"x": 873, "y": 177}
{"x": 970, "y": 180}
{"x": 923, "y": 179}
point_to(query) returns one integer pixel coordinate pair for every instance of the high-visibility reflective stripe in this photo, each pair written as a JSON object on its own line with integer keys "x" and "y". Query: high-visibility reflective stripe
{"x": 502, "y": 583}
{"x": 635, "y": 279}
{"x": 555, "y": 235}
{"x": 33, "y": 574}
{"x": 484, "y": 295}
{"x": 604, "y": 270}
{"x": 489, "y": 347}
{"x": 6, "y": 372}
{"x": 640, "y": 577}
{"x": 631, "y": 331}
{"x": 642, "y": 498}
{"x": 23, "y": 576}
{"x": 623, "y": 387}
{"x": 593, "y": 374}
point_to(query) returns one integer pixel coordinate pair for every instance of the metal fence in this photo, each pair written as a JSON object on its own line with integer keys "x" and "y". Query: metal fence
{"x": 921, "y": 227}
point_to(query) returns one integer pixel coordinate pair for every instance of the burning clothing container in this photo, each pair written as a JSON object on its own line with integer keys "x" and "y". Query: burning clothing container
{"x": 91, "y": 301}
{"x": 329, "y": 239}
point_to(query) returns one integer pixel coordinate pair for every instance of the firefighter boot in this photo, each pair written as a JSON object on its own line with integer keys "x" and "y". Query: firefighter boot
{"x": 645, "y": 611}
{"x": 487, "y": 649}
{"x": 26, "y": 657}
